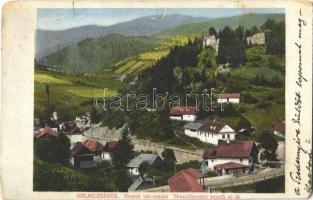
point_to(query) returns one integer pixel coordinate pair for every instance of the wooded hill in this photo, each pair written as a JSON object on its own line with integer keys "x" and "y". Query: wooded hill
{"x": 92, "y": 54}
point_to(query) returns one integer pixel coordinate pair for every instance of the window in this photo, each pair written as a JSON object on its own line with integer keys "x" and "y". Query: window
{"x": 206, "y": 163}
{"x": 212, "y": 160}
{"x": 241, "y": 160}
{"x": 223, "y": 136}
{"x": 228, "y": 136}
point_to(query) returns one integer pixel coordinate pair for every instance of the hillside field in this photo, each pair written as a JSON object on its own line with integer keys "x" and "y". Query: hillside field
{"x": 68, "y": 92}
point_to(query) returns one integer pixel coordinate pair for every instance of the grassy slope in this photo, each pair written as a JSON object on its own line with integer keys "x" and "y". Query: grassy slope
{"x": 43, "y": 168}
{"x": 67, "y": 92}
{"x": 262, "y": 118}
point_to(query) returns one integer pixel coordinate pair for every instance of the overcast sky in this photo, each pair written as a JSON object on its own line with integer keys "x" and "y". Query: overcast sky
{"x": 58, "y": 19}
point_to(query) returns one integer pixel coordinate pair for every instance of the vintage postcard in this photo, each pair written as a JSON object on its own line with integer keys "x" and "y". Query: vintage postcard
{"x": 156, "y": 100}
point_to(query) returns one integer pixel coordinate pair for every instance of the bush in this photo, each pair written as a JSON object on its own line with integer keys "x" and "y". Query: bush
{"x": 211, "y": 174}
{"x": 191, "y": 164}
{"x": 248, "y": 98}
{"x": 276, "y": 185}
{"x": 263, "y": 104}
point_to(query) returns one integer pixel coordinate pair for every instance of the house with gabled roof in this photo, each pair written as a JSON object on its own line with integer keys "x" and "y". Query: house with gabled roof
{"x": 133, "y": 165}
{"x": 85, "y": 154}
{"x": 279, "y": 129}
{"x": 108, "y": 148}
{"x": 187, "y": 180}
{"x": 230, "y": 157}
{"x": 209, "y": 131}
{"x": 46, "y": 132}
{"x": 183, "y": 113}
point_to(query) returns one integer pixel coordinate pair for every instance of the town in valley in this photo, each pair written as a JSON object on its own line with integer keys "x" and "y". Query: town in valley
{"x": 237, "y": 146}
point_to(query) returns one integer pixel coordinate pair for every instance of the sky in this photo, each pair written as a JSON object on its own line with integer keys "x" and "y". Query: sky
{"x": 59, "y": 19}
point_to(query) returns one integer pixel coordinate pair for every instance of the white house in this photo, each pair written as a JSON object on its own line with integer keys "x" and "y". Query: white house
{"x": 279, "y": 129}
{"x": 210, "y": 131}
{"x": 230, "y": 157}
{"x": 228, "y": 98}
{"x": 133, "y": 165}
{"x": 86, "y": 154}
{"x": 183, "y": 113}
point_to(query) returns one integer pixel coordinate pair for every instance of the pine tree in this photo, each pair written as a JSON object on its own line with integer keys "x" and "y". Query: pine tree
{"x": 212, "y": 31}
{"x": 123, "y": 152}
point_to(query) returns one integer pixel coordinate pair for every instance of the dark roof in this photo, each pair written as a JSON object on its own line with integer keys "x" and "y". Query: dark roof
{"x": 233, "y": 149}
{"x": 280, "y": 127}
{"x": 193, "y": 125}
{"x": 109, "y": 146}
{"x": 211, "y": 126}
{"x": 209, "y": 153}
{"x": 143, "y": 157}
{"x": 76, "y": 149}
{"x": 74, "y": 131}
{"x": 230, "y": 165}
{"x": 186, "y": 181}
{"x": 183, "y": 111}
{"x": 228, "y": 95}
{"x": 91, "y": 145}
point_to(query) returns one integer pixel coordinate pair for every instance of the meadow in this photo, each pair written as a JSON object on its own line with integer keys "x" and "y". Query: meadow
{"x": 69, "y": 94}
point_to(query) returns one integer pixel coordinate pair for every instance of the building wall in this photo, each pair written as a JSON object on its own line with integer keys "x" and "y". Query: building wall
{"x": 133, "y": 171}
{"x": 218, "y": 161}
{"x": 106, "y": 156}
{"x": 72, "y": 161}
{"x": 230, "y": 100}
{"x": 279, "y": 134}
{"x": 190, "y": 118}
{"x": 176, "y": 117}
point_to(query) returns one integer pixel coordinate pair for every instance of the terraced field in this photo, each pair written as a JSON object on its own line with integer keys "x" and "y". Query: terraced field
{"x": 69, "y": 93}
{"x": 136, "y": 64}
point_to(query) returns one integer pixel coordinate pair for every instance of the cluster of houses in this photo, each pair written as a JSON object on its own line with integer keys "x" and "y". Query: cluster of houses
{"x": 228, "y": 156}
{"x": 84, "y": 153}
